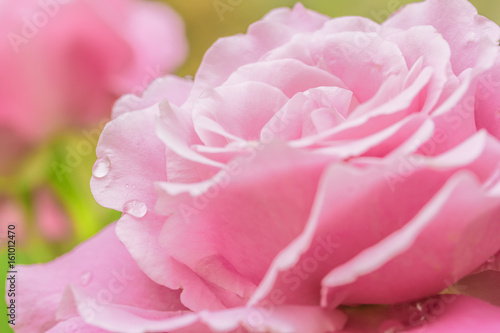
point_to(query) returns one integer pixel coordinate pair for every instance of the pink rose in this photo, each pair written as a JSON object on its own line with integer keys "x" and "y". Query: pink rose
{"x": 65, "y": 62}
{"x": 315, "y": 165}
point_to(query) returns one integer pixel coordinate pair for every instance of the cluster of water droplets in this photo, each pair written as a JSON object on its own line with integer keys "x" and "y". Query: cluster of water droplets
{"x": 135, "y": 208}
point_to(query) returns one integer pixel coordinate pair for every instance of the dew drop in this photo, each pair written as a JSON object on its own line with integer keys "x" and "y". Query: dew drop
{"x": 491, "y": 264}
{"x": 472, "y": 37}
{"x": 85, "y": 278}
{"x": 419, "y": 307}
{"x": 135, "y": 208}
{"x": 101, "y": 167}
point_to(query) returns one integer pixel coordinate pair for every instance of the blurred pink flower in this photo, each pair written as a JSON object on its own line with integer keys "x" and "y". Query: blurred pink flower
{"x": 11, "y": 214}
{"x": 314, "y": 165}
{"x": 65, "y": 62}
{"x": 51, "y": 220}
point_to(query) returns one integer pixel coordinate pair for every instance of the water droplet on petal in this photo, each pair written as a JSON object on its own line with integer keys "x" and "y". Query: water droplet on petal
{"x": 492, "y": 264}
{"x": 419, "y": 306}
{"x": 85, "y": 278}
{"x": 135, "y": 208}
{"x": 472, "y": 37}
{"x": 391, "y": 326}
{"x": 101, "y": 167}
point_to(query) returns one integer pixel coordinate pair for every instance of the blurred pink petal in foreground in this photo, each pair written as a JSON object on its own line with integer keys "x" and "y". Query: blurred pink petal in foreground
{"x": 65, "y": 62}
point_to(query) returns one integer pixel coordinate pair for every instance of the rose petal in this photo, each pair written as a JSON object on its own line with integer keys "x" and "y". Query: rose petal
{"x": 362, "y": 67}
{"x": 102, "y": 267}
{"x": 121, "y": 176}
{"x": 457, "y": 21}
{"x": 238, "y": 111}
{"x": 229, "y": 238}
{"x": 229, "y": 53}
{"x": 75, "y": 325}
{"x": 487, "y": 105}
{"x": 141, "y": 240}
{"x": 410, "y": 181}
{"x": 427, "y": 44}
{"x": 289, "y": 75}
{"x": 279, "y": 319}
{"x": 460, "y": 216}
{"x": 361, "y": 124}
{"x": 175, "y": 129}
{"x": 296, "y": 118}
{"x": 175, "y": 89}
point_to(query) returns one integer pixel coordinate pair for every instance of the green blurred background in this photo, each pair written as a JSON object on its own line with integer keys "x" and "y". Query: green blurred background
{"x": 204, "y": 24}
